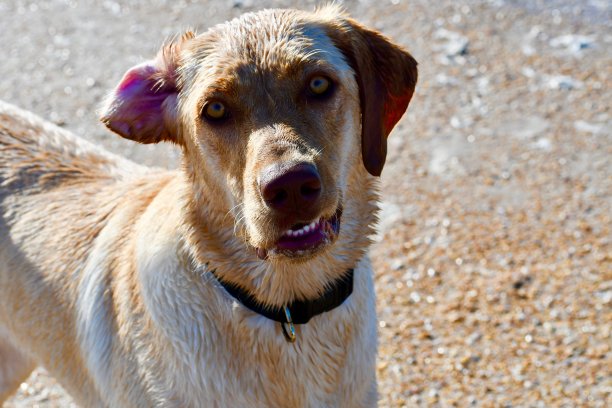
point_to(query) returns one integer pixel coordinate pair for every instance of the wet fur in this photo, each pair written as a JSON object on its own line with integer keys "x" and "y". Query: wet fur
{"x": 104, "y": 264}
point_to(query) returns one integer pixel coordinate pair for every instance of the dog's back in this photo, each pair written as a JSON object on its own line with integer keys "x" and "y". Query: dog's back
{"x": 37, "y": 156}
{"x": 57, "y": 194}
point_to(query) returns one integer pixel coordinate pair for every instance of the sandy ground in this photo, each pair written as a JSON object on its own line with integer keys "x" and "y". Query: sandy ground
{"x": 494, "y": 261}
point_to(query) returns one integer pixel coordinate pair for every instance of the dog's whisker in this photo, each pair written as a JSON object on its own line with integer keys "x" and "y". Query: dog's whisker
{"x": 232, "y": 211}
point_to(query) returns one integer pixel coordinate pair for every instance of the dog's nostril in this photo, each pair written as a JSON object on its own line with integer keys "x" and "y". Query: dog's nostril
{"x": 278, "y": 198}
{"x": 310, "y": 190}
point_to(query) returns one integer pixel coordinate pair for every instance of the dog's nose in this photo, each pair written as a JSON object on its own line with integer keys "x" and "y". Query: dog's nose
{"x": 292, "y": 189}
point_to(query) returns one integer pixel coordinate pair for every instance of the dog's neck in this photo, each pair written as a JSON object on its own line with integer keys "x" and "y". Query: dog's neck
{"x": 301, "y": 311}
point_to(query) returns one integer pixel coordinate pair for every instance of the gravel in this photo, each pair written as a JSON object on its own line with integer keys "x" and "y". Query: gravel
{"x": 494, "y": 260}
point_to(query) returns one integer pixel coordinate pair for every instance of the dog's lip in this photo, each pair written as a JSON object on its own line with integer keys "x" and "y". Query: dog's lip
{"x": 309, "y": 237}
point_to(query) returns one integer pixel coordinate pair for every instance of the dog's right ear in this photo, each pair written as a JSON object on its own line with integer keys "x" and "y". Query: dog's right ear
{"x": 386, "y": 75}
{"x": 143, "y": 107}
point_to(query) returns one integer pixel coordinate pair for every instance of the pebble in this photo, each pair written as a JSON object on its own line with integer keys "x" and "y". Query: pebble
{"x": 524, "y": 128}
{"x": 583, "y": 126}
{"x": 563, "y": 82}
{"x": 543, "y": 143}
{"x": 454, "y": 44}
{"x": 572, "y": 43}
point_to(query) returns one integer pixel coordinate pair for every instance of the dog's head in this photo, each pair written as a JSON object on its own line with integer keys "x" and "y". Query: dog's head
{"x": 281, "y": 115}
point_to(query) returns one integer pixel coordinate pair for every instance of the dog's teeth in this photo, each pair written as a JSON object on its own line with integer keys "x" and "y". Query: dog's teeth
{"x": 304, "y": 230}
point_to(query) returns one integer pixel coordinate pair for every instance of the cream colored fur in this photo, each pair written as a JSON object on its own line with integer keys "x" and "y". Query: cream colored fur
{"x": 105, "y": 265}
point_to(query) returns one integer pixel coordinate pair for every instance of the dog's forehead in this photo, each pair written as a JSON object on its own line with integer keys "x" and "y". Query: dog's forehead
{"x": 278, "y": 41}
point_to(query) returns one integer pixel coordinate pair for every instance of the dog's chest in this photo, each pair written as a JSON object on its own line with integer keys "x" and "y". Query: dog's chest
{"x": 261, "y": 368}
{"x": 215, "y": 352}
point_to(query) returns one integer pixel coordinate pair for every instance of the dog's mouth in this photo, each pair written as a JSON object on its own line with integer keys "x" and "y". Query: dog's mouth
{"x": 305, "y": 239}
{"x": 305, "y": 236}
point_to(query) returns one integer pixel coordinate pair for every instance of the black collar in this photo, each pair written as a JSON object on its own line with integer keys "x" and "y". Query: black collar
{"x": 301, "y": 310}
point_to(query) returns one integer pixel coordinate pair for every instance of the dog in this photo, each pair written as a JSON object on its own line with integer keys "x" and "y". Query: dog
{"x": 239, "y": 280}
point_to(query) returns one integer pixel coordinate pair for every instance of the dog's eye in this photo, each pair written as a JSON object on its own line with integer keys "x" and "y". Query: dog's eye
{"x": 319, "y": 85}
{"x": 214, "y": 110}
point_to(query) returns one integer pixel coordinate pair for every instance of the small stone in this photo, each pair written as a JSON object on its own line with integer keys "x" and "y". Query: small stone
{"x": 473, "y": 338}
{"x": 455, "y": 44}
{"x": 563, "y": 82}
{"x": 583, "y": 126}
{"x": 543, "y": 143}
{"x": 573, "y": 43}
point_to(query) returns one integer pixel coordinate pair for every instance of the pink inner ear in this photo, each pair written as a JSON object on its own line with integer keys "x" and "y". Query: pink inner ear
{"x": 140, "y": 91}
{"x": 134, "y": 76}
{"x": 136, "y": 110}
{"x": 394, "y": 109}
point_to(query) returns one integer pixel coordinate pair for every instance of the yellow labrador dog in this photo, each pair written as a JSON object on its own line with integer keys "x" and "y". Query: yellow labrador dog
{"x": 240, "y": 280}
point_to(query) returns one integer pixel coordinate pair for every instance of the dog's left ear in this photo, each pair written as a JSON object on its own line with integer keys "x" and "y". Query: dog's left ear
{"x": 143, "y": 107}
{"x": 386, "y": 75}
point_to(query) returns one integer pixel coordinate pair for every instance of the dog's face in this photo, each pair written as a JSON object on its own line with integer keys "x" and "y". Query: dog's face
{"x": 271, "y": 110}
